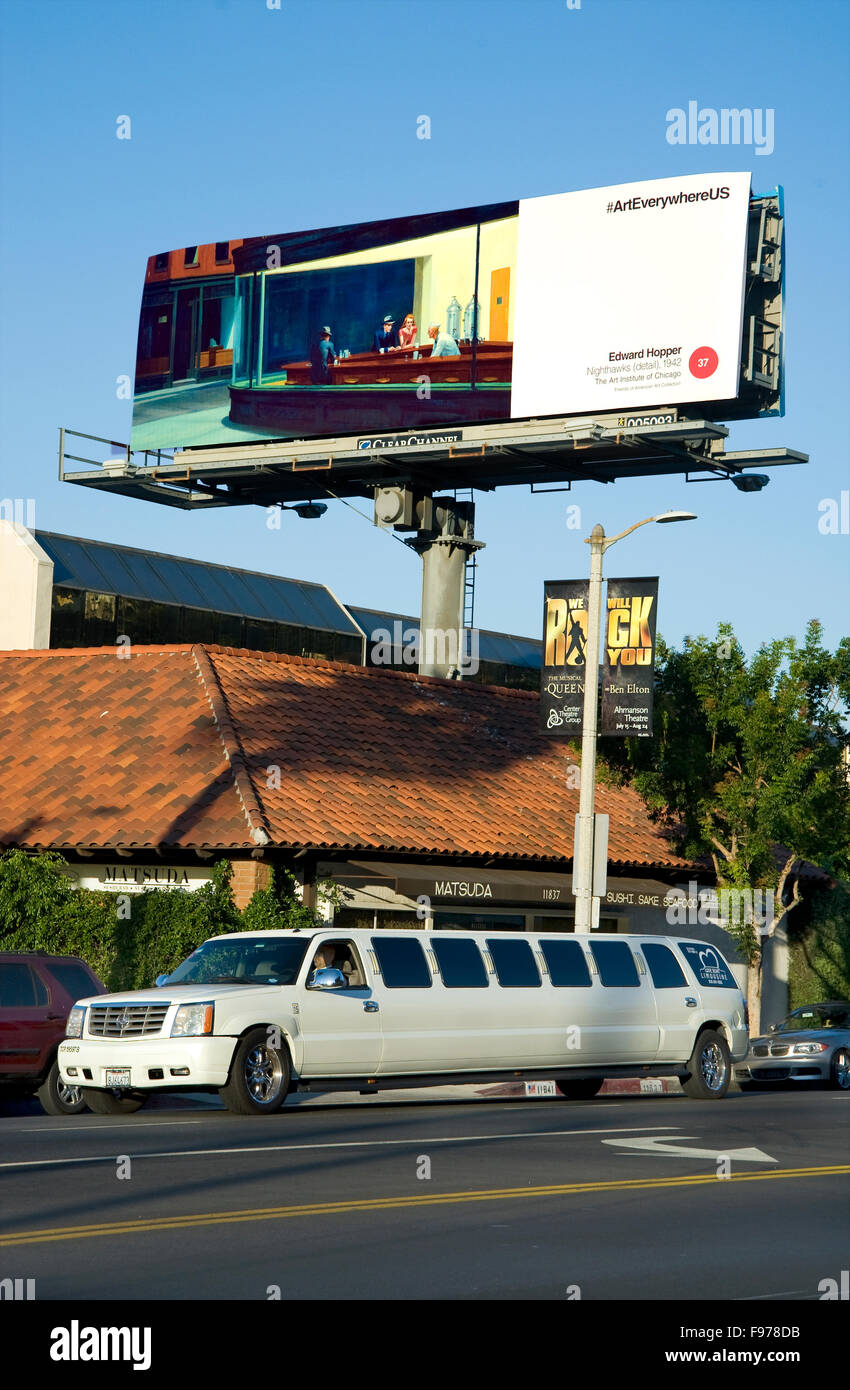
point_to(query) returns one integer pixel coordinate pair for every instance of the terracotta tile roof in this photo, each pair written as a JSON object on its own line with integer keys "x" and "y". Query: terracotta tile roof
{"x": 208, "y": 746}
{"x": 99, "y": 750}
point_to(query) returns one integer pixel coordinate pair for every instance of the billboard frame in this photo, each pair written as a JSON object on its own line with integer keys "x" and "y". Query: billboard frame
{"x": 525, "y": 453}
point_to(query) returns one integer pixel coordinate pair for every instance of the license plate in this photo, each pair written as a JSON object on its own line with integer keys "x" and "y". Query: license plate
{"x": 118, "y": 1078}
{"x": 540, "y": 1088}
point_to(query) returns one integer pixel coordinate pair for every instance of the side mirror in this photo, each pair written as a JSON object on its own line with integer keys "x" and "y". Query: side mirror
{"x": 329, "y": 978}
{"x": 160, "y": 981}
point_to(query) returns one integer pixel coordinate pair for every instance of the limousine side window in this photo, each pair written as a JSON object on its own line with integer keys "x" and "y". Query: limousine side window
{"x": 707, "y": 964}
{"x": 460, "y": 962}
{"x": 342, "y": 955}
{"x": 402, "y": 961}
{"x": 616, "y": 963}
{"x": 664, "y": 968}
{"x": 514, "y": 961}
{"x": 567, "y": 964}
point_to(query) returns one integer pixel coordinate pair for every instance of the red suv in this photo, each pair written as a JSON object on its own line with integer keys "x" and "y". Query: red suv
{"x": 37, "y": 992}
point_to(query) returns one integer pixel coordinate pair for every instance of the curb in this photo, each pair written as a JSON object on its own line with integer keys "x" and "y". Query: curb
{"x": 614, "y": 1086}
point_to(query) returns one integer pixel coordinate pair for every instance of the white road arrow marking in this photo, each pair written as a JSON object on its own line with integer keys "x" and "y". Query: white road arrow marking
{"x": 662, "y": 1146}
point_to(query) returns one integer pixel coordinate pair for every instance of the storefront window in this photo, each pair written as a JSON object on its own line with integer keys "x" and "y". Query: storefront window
{"x": 462, "y": 921}
{"x": 354, "y": 919}
{"x": 399, "y": 921}
{"x": 555, "y": 923}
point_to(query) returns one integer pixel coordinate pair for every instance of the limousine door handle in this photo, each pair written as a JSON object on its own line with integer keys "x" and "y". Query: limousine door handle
{"x": 690, "y": 1001}
{"x": 370, "y": 1006}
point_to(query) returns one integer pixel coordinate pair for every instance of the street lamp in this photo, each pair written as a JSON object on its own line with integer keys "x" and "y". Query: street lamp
{"x": 583, "y": 848}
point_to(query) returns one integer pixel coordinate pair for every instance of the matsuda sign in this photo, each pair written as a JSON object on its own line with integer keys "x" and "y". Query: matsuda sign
{"x": 138, "y": 878}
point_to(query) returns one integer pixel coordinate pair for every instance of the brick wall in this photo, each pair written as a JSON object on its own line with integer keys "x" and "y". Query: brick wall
{"x": 248, "y": 876}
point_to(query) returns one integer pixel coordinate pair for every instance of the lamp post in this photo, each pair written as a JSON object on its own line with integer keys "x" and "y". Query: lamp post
{"x": 583, "y": 848}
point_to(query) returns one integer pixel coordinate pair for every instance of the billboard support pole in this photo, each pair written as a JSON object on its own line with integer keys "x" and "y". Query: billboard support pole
{"x": 444, "y": 553}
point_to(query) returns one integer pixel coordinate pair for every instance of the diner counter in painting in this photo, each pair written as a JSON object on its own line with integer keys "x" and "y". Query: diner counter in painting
{"x": 493, "y": 364}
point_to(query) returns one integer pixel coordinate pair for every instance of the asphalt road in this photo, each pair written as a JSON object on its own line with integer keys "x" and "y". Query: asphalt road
{"x": 442, "y": 1198}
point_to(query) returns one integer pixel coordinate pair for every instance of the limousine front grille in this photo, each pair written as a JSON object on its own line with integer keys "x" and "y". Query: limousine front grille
{"x": 126, "y": 1020}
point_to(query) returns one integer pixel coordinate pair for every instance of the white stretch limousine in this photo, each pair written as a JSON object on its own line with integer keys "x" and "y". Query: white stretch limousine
{"x": 255, "y": 1015}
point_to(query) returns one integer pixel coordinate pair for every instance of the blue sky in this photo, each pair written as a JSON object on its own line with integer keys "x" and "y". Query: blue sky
{"x": 247, "y": 120}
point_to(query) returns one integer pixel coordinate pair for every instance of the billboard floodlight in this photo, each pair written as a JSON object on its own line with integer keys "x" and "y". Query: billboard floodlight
{"x": 751, "y": 482}
{"x": 308, "y": 511}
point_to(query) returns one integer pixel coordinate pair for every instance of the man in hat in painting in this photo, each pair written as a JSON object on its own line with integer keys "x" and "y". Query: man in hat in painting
{"x": 322, "y": 358}
{"x": 385, "y": 336}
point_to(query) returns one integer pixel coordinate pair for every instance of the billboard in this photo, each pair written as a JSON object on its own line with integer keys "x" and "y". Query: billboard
{"x": 605, "y": 300}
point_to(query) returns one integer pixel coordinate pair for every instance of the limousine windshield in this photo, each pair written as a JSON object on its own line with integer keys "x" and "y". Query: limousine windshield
{"x": 243, "y": 961}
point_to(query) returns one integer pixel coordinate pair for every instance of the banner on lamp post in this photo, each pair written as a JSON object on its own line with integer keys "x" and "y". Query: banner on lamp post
{"x": 564, "y": 657}
{"x": 628, "y": 661}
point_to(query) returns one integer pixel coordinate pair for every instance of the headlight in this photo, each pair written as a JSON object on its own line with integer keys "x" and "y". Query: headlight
{"x": 807, "y": 1049}
{"x": 191, "y": 1020}
{"x": 74, "y": 1026}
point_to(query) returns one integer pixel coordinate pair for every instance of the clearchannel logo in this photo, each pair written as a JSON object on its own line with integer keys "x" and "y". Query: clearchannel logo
{"x": 408, "y": 441}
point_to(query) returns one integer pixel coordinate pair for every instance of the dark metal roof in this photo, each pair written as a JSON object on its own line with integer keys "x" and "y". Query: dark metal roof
{"x": 498, "y": 647}
{"x": 146, "y": 574}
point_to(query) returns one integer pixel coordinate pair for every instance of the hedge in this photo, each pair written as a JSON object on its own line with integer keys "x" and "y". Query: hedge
{"x": 819, "y": 956}
{"x": 129, "y": 939}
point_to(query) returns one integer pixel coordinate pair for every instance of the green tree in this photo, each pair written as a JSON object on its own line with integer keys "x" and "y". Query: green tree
{"x": 41, "y": 909}
{"x": 277, "y": 907}
{"x": 747, "y": 766}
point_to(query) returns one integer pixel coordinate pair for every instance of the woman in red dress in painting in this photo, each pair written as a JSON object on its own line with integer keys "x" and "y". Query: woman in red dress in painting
{"x": 407, "y": 333}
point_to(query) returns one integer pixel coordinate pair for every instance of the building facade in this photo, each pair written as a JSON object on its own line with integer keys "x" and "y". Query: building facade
{"x": 428, "y": 803}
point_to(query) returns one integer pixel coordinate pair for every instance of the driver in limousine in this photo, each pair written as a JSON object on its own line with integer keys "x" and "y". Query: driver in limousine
{"x": 323, "y": 959}
{"x": 336, "y": 955}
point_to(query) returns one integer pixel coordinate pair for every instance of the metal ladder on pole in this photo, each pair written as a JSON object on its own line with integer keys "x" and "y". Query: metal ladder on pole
{"x": 467, "y": 495}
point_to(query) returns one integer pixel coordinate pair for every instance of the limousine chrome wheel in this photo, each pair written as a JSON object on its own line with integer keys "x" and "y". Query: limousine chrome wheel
{"x": 709, "y": 1068}
{"x": 259, "y": 1076}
